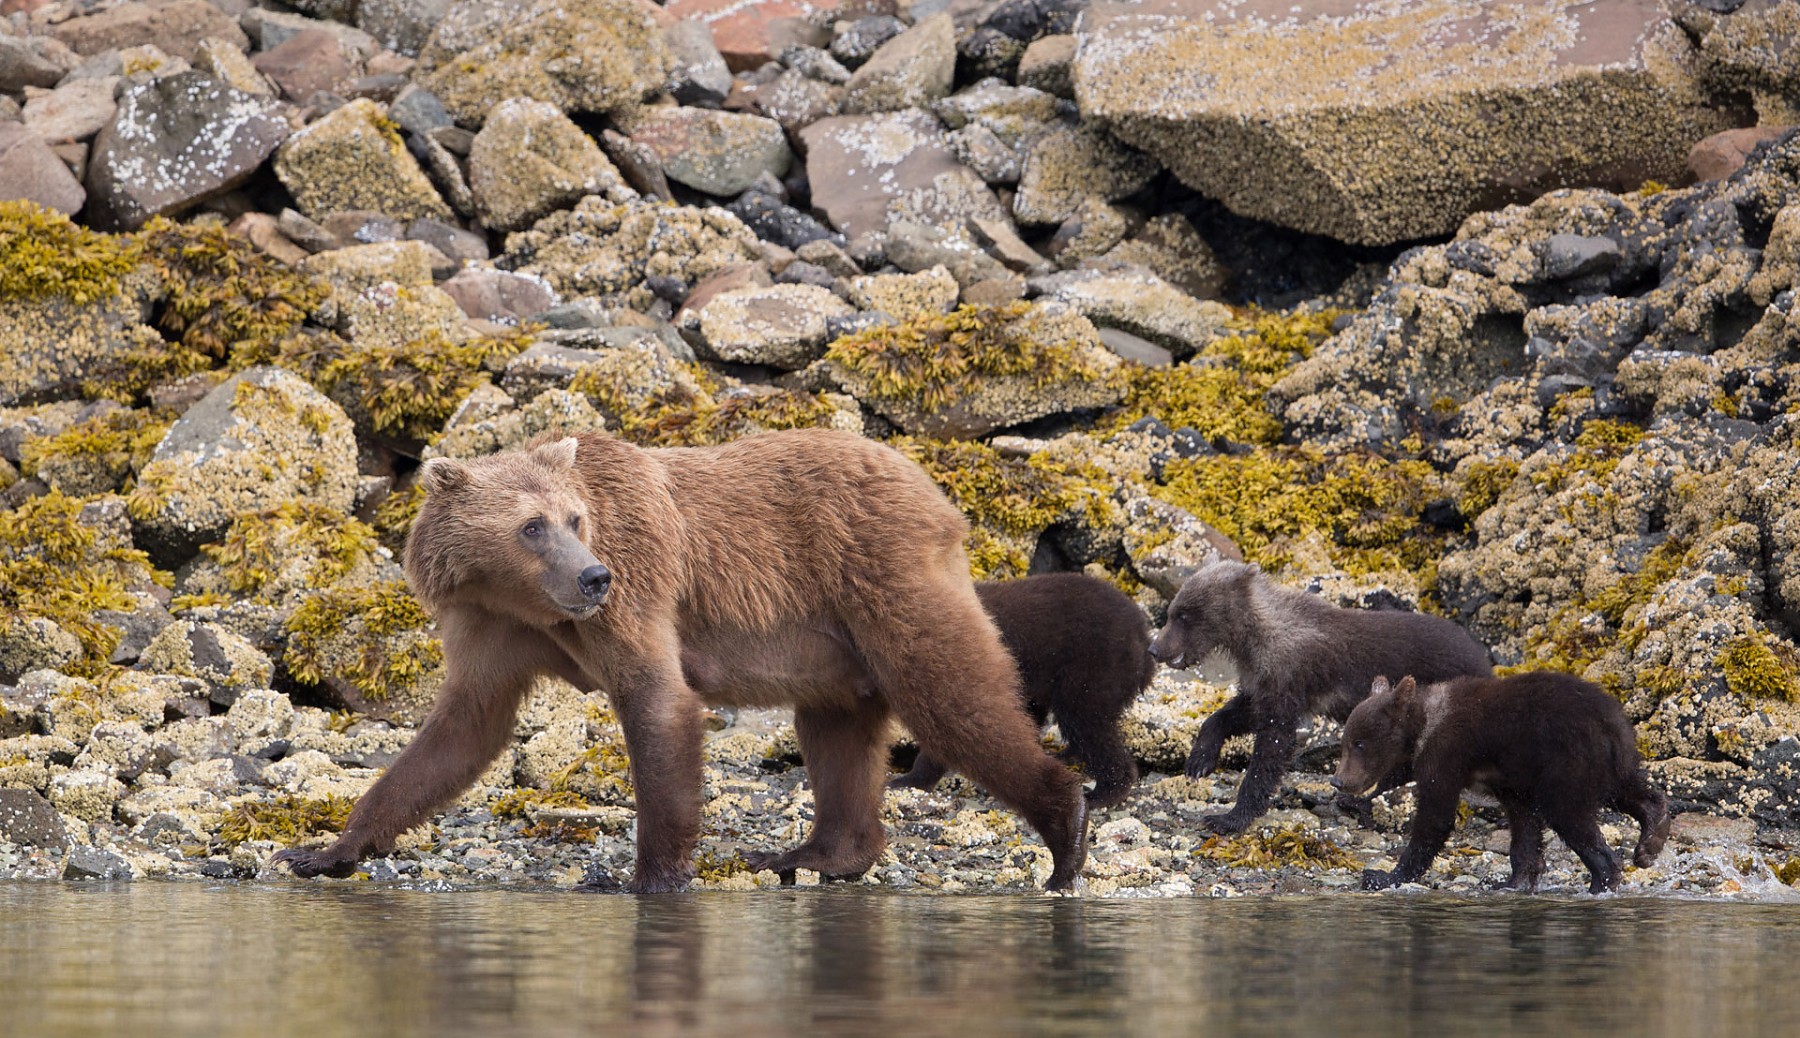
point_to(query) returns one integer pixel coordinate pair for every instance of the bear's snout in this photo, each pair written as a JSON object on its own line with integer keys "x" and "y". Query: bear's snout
{"x": 594, "y": 582}
{"x": 1337, "y": 783}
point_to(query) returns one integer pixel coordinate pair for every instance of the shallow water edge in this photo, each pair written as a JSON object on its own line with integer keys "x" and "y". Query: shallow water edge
{"x": 155, "y": 958}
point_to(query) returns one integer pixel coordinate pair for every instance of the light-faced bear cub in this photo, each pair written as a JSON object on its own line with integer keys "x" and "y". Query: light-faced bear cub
{"x": 813, "y": 568}
{"x": 1080, "y": 644}
{"x": 1295, "y": 655}
{"x": 1552, "y": 748}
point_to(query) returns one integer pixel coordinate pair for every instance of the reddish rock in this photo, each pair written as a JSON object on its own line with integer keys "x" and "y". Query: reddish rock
{"x": 750, "y": 32}
{"x": 1722, "y": 154}
{"x": 30, "y": 170}
{"x": 306, "y": 63}
{"x": 177, "y": 26}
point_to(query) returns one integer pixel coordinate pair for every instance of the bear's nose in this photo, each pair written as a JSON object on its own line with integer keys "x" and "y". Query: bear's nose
{"x": 594, "y": 582}
{"x": 1337, "y": 783}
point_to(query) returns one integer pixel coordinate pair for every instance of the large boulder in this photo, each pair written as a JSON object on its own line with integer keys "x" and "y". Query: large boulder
{"x": 262, "y": 438}
{"x": 175, "y": 142}
{"x": 1375, "y": 122}
{"x": 580, "y": 55}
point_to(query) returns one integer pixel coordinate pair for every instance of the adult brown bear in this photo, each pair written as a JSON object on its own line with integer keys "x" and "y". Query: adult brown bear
{"x": 1082, "y": 649}
{"x": 813, "y": 568}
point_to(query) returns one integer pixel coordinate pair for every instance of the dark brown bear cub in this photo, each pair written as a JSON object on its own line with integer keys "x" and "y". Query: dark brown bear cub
{"x": 1295, "y": 655}
{"x": 1552, "y": 748}
{"x": 1081, "y": 648}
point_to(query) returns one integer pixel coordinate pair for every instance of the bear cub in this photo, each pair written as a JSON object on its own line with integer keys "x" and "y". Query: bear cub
{"x": 1296, "y": 655}
{"x": 1552, "y": 748}
{"x": 1082, "y": 649}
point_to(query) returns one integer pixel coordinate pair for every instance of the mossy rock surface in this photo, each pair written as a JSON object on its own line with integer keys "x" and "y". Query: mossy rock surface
{"x": 964, "y": 374}
{"x": 262, "y": 438}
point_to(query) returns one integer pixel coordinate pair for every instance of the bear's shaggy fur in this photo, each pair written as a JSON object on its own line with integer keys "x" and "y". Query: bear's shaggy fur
{"x": 1552, "y": 748}
{"x": 1295, "y": 655}
{"x": 812, "y": 568}
{"x": 1081, "y": 646}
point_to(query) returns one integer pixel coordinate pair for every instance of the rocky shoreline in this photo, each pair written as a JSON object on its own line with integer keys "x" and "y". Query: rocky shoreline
{"x": 257, "y": 262}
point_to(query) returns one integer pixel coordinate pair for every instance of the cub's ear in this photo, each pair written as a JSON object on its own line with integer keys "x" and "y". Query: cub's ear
{"x": 1406, "y": 689}
{"x": 441, "y": 475}
{"x": 1380, "y": 686}
{"x": 1252, "y": 568}
{"x": 558, "y": 454}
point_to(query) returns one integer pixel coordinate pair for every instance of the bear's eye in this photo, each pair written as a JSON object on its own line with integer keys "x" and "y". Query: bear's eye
{"x": 534, "y": 529}
{"x": 1358, "y": 744}
{"x": 575, "y": 523}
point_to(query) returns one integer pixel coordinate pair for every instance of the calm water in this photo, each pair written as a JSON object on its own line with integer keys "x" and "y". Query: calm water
{"x": 184, "y": 959}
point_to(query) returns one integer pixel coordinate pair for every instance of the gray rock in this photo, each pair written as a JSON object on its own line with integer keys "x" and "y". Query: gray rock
{"x": 1142, "y": 304}
{"x": 529, "y": 160}
{"x": 31, "y": 171}
{"x": 27, "y": 819}
{"x": 797, "y": 101}
{"x": 174, "y": 143}
{"x": 720, "y": 153}
{"x": 23, "y": 64}
{"x": 419, "y": 111}
{"x": 232, "y": 67}
{"x": 814, "y": 63}
{"x": 862, "y": 38}
{"x": 91, "y": 863}
{"x": 782, "y": 326}
{"x": 402, "y": 26}
{"x": 698, "y": 74}
{"x": 908, "y": 71}
{"x": 72, "y": 112}
{"x": 460, "y": 245}
{"x": 224, "y": 660}
{"x": 1572, "y": 255}
{"x": 35, "y": 643}
{"x": 1133, "y": 348}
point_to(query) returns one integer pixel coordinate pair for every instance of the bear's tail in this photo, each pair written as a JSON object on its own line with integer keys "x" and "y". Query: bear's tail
{"x": 939, "y": 662}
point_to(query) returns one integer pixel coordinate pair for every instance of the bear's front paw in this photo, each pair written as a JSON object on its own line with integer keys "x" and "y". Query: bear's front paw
{"x": 1375, "y": 879}
{"x": 1228, "y": 824}
{"x": 323, "y": 861}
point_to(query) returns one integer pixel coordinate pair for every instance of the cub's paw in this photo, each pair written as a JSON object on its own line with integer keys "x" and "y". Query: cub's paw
{"x": 1203, "y": 761}
{"x": 1375, "y": 879}
{"x": 322, "y": 861}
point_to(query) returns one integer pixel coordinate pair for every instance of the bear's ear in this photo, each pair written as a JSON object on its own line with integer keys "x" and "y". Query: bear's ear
{"x": 1406, "y": 689}
{"x": 558, "y": 454}
{"x": 1380, "y": 686}
{"x": 441, "y": 475}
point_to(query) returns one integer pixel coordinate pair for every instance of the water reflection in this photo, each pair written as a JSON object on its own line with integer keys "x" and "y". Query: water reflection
{"x": 314, "y": 959}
